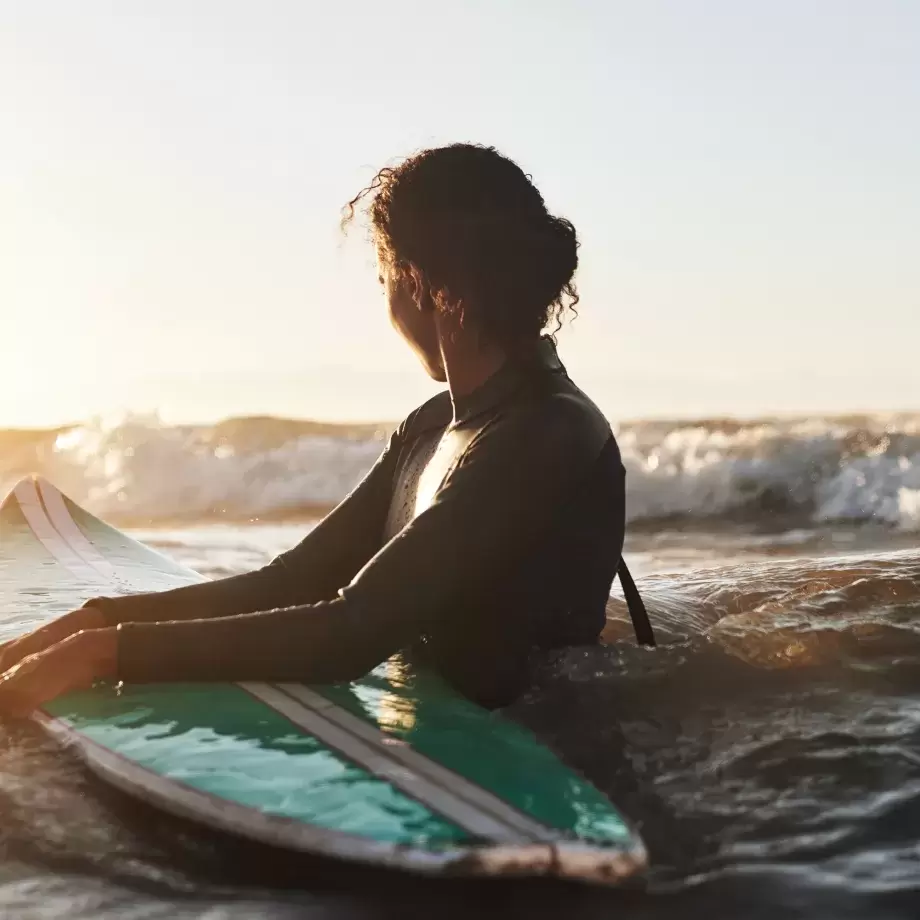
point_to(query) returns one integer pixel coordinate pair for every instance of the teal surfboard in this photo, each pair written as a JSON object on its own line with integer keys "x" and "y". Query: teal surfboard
{"x": 392, "y": 770}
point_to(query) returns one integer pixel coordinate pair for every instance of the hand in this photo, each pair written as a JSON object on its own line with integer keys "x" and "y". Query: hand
{"x": 11, "y": 653}
{"x": 73, "y": 664}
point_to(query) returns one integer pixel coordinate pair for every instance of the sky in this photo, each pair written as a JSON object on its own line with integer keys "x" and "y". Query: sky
{"x": 744, "y": 177}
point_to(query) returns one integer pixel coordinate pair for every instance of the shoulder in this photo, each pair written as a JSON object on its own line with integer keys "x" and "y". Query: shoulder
{"x": 560, "y": 416}
{"x": 559, "y": 434}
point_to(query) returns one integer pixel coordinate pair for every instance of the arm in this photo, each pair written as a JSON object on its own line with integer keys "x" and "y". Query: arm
{"x": 501, "y": 499}
{"x": 312, "y": 571}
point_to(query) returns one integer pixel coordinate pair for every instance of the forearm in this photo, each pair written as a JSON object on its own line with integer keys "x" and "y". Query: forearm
{"x": 320, "y": 643}
{"x": 262, "y": 589}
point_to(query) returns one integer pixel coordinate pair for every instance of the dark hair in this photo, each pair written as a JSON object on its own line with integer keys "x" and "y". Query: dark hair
{"x": 472, "y": 226}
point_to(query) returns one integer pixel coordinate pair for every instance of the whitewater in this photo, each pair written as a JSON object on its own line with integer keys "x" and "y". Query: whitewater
{"x": 860, "y": 469}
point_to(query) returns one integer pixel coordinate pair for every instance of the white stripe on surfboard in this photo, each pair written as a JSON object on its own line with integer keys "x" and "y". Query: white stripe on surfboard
{"x": 476, "y": 796}
{"x": 377, "y": 760}
{"x": 66, "y": 526}
{"x": 468, "y": 805}
{"x": 62, "y": 520}
{"x": 31, "y": 506}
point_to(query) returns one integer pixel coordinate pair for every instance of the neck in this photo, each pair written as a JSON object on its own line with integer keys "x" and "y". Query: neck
{"x": 469, "y": 363}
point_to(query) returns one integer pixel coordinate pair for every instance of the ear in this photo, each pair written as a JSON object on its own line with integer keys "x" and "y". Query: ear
{"x": 419, "y": 290}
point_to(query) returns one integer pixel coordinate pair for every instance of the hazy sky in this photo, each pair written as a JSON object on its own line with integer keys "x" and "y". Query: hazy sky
{"x": 745, "y": 177}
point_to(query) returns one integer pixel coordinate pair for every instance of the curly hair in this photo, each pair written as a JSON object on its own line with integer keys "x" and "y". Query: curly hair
{"x": 472, "y": 227}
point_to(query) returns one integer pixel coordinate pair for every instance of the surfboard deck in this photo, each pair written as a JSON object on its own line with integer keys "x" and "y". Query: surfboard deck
{"x": 393, "y": 770}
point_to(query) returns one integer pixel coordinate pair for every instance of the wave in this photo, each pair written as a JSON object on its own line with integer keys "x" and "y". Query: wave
{"x": 859, "y": 469}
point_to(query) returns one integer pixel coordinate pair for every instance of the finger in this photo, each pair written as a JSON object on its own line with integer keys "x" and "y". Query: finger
{"x": 9, "y": 656}
{"x": 23, "y": 648}
{"x": 15, "y": 704}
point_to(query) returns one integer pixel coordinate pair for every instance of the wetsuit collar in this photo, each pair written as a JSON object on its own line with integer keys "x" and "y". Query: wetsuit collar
{"x": 533, "y": 362}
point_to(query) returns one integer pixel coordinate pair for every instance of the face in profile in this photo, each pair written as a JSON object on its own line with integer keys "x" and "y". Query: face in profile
{"x": 415, "y": 323}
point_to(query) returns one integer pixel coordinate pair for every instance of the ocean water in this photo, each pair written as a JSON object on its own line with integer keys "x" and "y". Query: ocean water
{"x": 769, "y": 749}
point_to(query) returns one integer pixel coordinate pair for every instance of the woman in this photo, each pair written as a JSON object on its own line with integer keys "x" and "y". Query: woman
{"x": 488, "y": 532}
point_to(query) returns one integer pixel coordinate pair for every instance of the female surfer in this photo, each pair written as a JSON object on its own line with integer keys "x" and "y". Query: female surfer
{"x": 488, "y": 532}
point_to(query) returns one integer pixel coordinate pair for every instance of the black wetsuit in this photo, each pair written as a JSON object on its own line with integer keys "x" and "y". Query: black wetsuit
{"x": 488, "y": 531}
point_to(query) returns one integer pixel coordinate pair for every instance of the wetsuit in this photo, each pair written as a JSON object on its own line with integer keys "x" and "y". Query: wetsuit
{"x": 487, "y": 532}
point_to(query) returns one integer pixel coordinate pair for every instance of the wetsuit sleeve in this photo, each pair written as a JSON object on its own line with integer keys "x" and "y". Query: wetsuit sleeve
{"x": 501, "y": 499}
{"x": 312, "y": 571}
